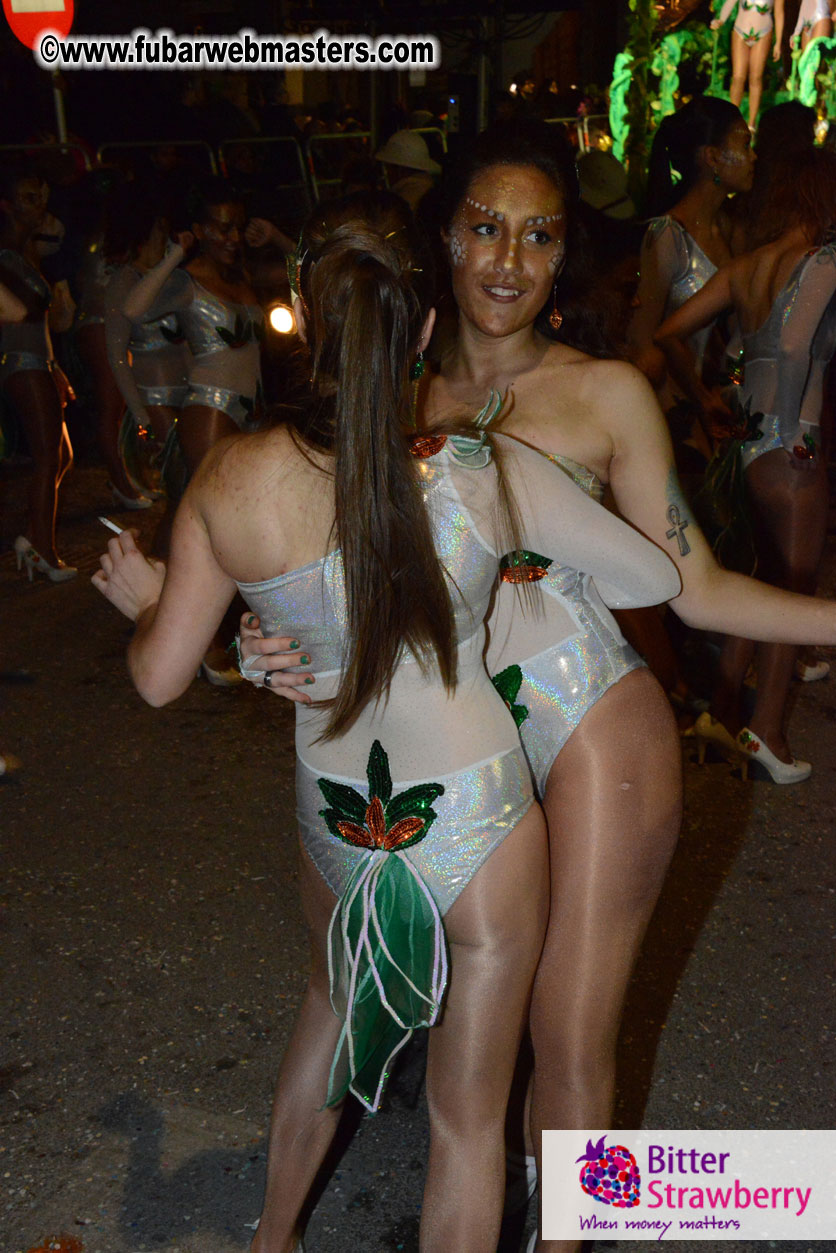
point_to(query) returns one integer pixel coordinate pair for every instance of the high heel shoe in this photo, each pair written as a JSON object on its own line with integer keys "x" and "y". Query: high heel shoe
{"x": 129, "y": 502}
{"x": 754, "y": 749}
{"x": 811, "y": 672}
{"x": 35, "y": 563}
{"x": 707, "y": 730}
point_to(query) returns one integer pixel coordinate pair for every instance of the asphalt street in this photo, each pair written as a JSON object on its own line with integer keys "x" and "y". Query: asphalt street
{"x": 153, "y": 953}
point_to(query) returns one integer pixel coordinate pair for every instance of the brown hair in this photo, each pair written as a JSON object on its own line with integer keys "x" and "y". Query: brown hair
{"x": 802, "y": 192}
{"x": 365, "y": 281}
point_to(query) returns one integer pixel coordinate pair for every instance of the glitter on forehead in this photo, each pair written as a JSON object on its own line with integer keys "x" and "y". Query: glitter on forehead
{"x": 519, "y": 192}
{"x": 483, "y": 208}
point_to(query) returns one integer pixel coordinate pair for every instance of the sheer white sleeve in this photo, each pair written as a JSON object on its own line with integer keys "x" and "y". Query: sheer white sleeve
{"x": 560, "y": 521}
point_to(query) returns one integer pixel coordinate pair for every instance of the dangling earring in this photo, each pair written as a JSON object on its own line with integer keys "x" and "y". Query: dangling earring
{"x": 716, "y": 179}
{"x": 555, "y": 317}
{"x": 418, "y": 367}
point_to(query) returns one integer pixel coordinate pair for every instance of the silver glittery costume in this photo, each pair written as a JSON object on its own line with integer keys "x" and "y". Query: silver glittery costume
{"x": 149, "y": 359}
{"x": 464, "y": 740}
{"x": 224, "y": 338}
{"x": 570, "y": 655}
{"x": 682, "y": 269}
{"x": 25, "y": 345}
{"x": 810, "y": 14}
{"x": 784, "y": 360}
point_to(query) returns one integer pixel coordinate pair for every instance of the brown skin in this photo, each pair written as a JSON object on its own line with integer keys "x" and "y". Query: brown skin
{"x": 218, "y": 268}
{"x": 39, "y": 398}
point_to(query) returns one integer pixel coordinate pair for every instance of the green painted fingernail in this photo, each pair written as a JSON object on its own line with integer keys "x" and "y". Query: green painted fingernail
{"x": 304, "y": 660}
{"x": 309, "y": 679}
{"x": 294, "y": 644}
{"x": 251, "y": 619}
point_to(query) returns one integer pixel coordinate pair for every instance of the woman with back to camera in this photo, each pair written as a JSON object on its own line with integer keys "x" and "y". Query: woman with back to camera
{"x": 707, "y": 146}
{"x": 597, "y": 729}
{"x": 782, "y": 294}
{"x": 410, "y": 749}
{"x": 30, "y": 376}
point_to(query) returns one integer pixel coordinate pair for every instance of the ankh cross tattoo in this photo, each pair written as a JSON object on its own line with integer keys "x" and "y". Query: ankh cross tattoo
{"x": 677, "y": 528}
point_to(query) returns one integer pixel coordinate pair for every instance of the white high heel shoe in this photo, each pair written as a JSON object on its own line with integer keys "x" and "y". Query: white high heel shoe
{"x": 754, "y": 749}
{"x": 26, "y": 555}
{"x": 121, "y": 501}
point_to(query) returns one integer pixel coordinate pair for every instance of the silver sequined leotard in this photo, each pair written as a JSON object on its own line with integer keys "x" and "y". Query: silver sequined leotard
{"x": 224, "y": 338}
{"x": 810, "y": 14}
{"x": 683, "y": 269}
{"x": 568, "y": 657}
{"x": 149, "y": 359}
{"x": 784, "y": 360}
{"x": 465, "y": 742}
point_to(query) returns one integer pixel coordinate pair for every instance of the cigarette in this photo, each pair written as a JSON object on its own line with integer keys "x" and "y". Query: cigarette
{"x": 111, "y": 526}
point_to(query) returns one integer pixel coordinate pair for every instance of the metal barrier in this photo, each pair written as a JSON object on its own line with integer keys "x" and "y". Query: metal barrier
{"x": 321, "y": 179}
{"x": 433, "y": 130}
{"x": 581, "y": 125}
{"x": 124, "y": 145}
{"x": 276, "y": 142}
{"x": 68, "y": 147}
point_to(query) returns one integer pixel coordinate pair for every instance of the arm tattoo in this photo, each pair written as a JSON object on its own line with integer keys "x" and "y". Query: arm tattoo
{"x": 678, "y": 514}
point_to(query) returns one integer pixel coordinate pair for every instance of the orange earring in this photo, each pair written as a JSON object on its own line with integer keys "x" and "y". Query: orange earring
{"x": 555, "y": 317}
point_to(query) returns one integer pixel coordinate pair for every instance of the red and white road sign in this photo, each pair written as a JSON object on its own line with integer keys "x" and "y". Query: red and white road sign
{"x": 30, "y": 18}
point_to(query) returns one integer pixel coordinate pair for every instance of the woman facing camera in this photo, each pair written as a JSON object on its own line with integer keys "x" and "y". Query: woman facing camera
{"x": 419, "y": 832}
{"x": 597, "y": 729}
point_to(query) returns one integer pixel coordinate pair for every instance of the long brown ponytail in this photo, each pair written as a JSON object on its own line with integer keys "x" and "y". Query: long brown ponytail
{"x": 365, "y": 281}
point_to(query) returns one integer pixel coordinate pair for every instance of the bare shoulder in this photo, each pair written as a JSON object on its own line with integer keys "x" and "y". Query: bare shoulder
{"x": 601, "y": 383}
{"x": 255, "y": 466}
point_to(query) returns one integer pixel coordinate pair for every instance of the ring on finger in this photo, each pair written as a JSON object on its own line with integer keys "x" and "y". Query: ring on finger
{"x": 268, "y": 678}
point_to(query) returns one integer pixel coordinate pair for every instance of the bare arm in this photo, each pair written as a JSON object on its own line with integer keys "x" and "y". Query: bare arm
{"x": 177, "y": 617}
{"x": 779, "y": 30}
{"x": 140, "y": 301}
{"x": 11, "y": 309}
{"x": 118, "y": 337}
{"x": 698, "y": 312}
{"x": 658, "y": 269}
{"x": 647, "y": 492}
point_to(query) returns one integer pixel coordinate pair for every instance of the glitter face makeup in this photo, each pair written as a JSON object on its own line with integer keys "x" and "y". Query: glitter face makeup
{"x": 506, "y": 243}
{"x": 737, "y": 159}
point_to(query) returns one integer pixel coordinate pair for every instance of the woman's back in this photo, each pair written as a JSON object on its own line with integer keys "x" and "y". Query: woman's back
{"x": 782, "y": 295}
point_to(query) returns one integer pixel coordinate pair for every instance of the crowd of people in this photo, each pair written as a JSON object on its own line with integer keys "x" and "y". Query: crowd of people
{"x": 421, "y": 514}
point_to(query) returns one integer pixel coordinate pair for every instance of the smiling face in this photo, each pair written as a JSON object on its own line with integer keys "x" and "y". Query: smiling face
{"x": 506, "y": 245}
{"x": 221, "y": 234}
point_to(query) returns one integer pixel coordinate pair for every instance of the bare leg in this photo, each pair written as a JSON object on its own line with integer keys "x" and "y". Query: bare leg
{"x": 495, "y": 930}
{"x": 162, "y": 419}
{"x": 300, "y": 1130}
{"x": 789, "y": 507}
{"x": 198, "y": 428}
{"x": 740, "y": 69}
{"x": 757, "y": 63}
{"x": 613, "y": 804}
{"x": 109, "y": 405}
{"x": 35, "y": 398}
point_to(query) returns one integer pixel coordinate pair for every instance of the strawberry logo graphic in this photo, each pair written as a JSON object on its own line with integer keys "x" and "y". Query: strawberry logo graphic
{"x": 610, "y": 1174}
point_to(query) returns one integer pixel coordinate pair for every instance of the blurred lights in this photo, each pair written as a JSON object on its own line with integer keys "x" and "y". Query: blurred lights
{"x": 281, "y": 319}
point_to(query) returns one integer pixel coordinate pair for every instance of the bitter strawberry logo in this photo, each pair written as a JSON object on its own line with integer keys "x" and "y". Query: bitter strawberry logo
{"x": 610, "y": 1174}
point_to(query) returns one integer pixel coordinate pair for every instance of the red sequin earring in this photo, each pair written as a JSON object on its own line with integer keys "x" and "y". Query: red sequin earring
{"x": 555, "y": 317}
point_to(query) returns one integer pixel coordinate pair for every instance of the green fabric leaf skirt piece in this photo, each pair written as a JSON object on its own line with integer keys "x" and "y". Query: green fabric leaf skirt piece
{"x": 387, "y": 951}
{"x": 387, "y": 964}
